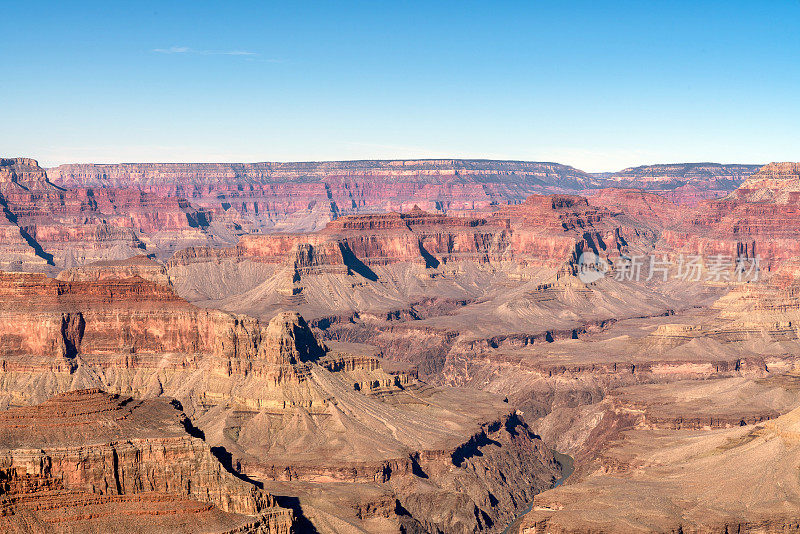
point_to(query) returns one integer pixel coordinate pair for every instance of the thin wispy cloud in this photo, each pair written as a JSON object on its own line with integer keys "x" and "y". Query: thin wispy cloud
{"x": 193, "y": 51}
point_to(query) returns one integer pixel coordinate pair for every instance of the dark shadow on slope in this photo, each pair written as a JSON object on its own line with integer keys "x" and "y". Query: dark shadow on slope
{"x": 416, "y": 469}
{"x": 355, "y": 265}
{"x": 301, "y": 525}
{"x": 37, "y": 248}
{"x": 430, "y": 261}
{"x": 408, "y": 525}
{"x": 193, "y": 430}
{"x": 72, "y": 328}
{"x": 226, "y": 459}
{"x": 472, "y": 448}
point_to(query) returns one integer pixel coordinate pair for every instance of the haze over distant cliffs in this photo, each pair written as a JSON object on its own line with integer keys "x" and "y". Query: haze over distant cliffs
{"x": 521, "y": 173}
{"x": 684, "y": 183}
{"x": 305, "y": 195}
{"x": 74, "y": 214}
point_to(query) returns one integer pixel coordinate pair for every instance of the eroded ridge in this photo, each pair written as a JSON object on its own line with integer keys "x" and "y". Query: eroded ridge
{"x": 88, "y": 460}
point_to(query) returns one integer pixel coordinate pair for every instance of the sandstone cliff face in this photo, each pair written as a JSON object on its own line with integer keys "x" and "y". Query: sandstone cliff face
{"x": 141, "y": 266}
{"x": 280, "y": 403}
{"x": 86, "y": 451}
{"x": 777, "y": 183}
{"x": 685, "y": 184}
{"x": 20, "y": 170}
{"x": 422, "y": 171}
{"x": 714, "y": 177}
{"x": 65, "y": 227}
{"x": 542, "y": 230}
{"x": 305, "y": 196}
{"x": 760, "y": 218}
{"x": 638, "y": 205}
{"x": 132, "y": 322}
{"x": 76, "y": 214}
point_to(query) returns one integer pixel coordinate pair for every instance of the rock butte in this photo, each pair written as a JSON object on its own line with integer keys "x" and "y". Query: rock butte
{"x": 397, "y": 346}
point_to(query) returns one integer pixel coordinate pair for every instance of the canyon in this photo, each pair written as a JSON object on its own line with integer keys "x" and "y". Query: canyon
{"x": 399, "y": 346}
{"x": 683, "y": 183}
{"x": 274, "y": 402}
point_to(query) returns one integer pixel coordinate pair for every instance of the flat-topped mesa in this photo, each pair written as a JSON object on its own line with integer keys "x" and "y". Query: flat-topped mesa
{"x": 304, "y": 196}
{"x": 416, "y": 217}
{"x": 555, "y": 202}
{"x": 542, "y": 230}
{"x": 387, "y": 221}
{"x": 90, "y": 453}
{"x": 685, "y": 184}
{"x": 144, "y": 174}
{"x": 141, "y": 266}
{"x": 674, "y": 175}
{"x": 38, "y": 291}
{"x": 20, "y": 170}
{"x": 638, "y": 205}
{"x": 553, "y": 212}
{"x": 777, "y": 183}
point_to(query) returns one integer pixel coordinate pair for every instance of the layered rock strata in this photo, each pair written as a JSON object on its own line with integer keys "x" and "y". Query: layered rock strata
{"x": 276, "y": 402}
{"x": 683, "y": 183}
{"x": 89, "y": 460}
{"x": 66, "y": 227}
{"x": 654, "y": 480}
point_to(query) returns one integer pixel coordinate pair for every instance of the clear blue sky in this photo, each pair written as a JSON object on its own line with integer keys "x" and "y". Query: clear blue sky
{"x": 598, "y": 85}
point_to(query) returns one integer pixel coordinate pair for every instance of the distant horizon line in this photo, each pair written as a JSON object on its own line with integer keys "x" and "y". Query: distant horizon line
{"x": 388, "y": 160}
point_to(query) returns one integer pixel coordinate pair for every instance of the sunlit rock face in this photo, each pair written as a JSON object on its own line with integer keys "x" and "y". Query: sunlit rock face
{"x": 682, "y": 183}
{"x": 77, "y": 214}
{"x": 87, "y": 460}
{"x": 48, "y": 225}
{"x": 317, "y": 378}
{"x": 760, "y": 219}
{"x": 248, "y": 197}
{"x": 280, "y": 405}
{"x": 777, "y": 182}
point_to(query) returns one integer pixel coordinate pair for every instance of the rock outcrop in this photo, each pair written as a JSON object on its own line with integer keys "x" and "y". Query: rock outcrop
{"x": 67, "y": 227}
{"x": 543, "y": 230}
{"x": 777, "y": 183}
{"x": 279, "y": 404}
{"x": 88, "y": 460}
{"x": 316, "y": 379}
{"x": 683, "y": 183}
{"x": 306, "y": 195}
{"x": 759, "y": 219}
{"x": 659, "y": 481}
